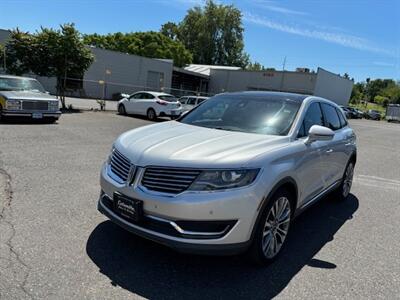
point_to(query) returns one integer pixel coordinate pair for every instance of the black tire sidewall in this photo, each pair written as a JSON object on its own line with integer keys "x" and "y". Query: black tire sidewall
{"x": 256, "y": 253}
{"x": 338, "y": 193}
{"x": 154, "y": 114}
{"x": 121, "y": 109}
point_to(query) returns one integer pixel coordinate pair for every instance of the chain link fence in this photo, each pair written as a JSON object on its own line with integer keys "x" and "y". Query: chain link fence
{"x": 108, "y": 90}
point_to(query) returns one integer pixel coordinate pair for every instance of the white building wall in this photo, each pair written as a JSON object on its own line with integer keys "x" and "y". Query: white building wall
{"x": 124, "y": 73}
{"x": 333, "y": 87}
{"x": 232, "y": 81}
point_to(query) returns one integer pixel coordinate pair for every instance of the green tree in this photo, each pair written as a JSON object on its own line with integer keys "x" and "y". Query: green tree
{"x": 381, "y": 100}
{"x": 213, "y": 34}
{"x": 170, "y": 30}
{"x": 52, "y": 53}
{"x": 18, "y": 51}
{"x": 255, "y": 67}
{"x": 149, "y": 44}
{"x": 392, "y": 92}
{"x": 357, "y": 94}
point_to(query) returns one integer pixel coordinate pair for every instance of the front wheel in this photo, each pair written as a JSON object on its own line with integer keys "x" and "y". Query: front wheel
{"x": 273, "y": 228}
{"x": 121, "y": 110}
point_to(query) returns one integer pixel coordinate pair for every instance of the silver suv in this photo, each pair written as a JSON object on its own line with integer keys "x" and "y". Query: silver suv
{"x": 230, "y": 175}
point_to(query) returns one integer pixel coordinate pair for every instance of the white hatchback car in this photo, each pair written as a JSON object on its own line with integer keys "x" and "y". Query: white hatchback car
{"x": 231, "y": 174}
{"x": 150, "y": 104}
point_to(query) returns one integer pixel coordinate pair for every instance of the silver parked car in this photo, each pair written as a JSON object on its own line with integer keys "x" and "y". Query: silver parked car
{"x": 26, "y": 97}
{"x": 231, "y": 175}
{"x": 189, "y": 102}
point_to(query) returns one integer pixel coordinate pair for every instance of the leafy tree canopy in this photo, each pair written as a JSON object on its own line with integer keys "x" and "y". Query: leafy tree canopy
{"x": 149, "y": 44}
{"x": 213, "y": 34}
{"x": 48, "y": 52}
{"x": 381, "y": 91}
{"x": 255, "y": 66}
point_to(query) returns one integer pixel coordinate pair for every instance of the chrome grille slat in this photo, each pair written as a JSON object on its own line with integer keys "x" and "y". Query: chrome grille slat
{"x": 121, "y": 157}
{"x": 154, "y": 178}
{"x": 177, "y": 185}
{"x": 168, "y": 180}
{"x": 183, "y": 177}
{"x": 156, "y": 188}
{"x": 120, "y": 166}
{"x": 174, "y": 171}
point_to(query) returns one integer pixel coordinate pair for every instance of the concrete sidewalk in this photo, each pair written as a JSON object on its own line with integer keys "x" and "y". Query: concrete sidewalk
{"x": 90, "y": 104}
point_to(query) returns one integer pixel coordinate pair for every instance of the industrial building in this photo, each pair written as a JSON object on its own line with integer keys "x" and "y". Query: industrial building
{"x": 115, "y": 72}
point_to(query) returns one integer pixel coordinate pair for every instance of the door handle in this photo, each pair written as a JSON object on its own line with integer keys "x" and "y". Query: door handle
{"x": 329, "y": 151}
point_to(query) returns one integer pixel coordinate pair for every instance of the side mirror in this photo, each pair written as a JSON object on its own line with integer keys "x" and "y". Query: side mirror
{"x": 319, "y": 133}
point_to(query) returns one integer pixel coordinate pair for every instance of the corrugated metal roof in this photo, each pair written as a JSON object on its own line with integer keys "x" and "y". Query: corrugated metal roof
{"x": 205, "y": 69}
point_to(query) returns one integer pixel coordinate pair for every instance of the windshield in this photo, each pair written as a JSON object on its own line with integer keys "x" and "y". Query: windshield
{"x": 20, "y": 84}
{"x": 245, "y": 114}
{"x": 168, "y": 98}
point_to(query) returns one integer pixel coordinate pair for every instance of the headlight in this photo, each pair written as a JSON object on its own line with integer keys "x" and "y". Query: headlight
{"x": 14, "y": 104}
{"x": 223, "y": 179}
{"x": 53, "y": 105}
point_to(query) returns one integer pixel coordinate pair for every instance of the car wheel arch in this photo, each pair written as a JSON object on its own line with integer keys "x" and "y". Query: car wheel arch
{"x": 287, "y": 183}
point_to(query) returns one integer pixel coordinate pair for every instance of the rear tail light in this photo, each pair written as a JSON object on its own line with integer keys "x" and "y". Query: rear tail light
{"x": 162, "y": 102}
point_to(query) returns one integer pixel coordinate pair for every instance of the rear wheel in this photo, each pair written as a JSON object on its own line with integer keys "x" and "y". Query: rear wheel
{"x": 343, "y": 191}
{"x": 273, "y": 228}
{"x": 151, "y": 114}
{"x": 121, "y": 110}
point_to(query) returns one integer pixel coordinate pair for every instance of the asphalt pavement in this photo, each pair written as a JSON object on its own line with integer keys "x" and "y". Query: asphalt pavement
{"x": 55, "y": 245}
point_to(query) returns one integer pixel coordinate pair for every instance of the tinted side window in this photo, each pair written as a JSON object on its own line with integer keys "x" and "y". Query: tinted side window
{"x": 331, "y": 116}
{"x": 200, "y": 100}
{"x": 312, "y": 117}
{"x": 343, "y": 121}
{"x": 148, "y": 96}
{"x": 191, "y": 101}
{"x": 137, "y": 96}
{"x": 183, "y": 100}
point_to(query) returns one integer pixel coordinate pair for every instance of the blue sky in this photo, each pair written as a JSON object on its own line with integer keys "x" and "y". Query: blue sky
{"x": 360, "y": 37}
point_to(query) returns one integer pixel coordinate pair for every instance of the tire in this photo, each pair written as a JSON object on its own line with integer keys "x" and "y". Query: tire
{"x": 272, "y": 229}
{"x": 52, "y": 120}
{"x": 343, "y": 191}
{"x": 122, "y": 110}
{"x": 151, "y": 114}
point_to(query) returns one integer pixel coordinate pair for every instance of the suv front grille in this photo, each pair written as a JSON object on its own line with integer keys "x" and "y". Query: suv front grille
{"x": 168, "y": 180}
{"x": 35, "y": 105}
{"x": 120, "y": 166}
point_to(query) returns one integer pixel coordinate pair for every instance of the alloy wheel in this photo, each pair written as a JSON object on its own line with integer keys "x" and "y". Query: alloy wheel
{"x": 276, "y": 227}
{"x": 348, "y": 180}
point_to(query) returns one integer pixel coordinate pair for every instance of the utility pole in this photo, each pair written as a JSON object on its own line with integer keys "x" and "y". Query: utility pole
{"x": 283, "y": 73}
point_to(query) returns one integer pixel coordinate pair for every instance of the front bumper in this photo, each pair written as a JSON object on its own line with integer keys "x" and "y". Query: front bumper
{"x": 182, "y": 246}
{"x": 239, "y": 206}
{"x": 29, "y": 113}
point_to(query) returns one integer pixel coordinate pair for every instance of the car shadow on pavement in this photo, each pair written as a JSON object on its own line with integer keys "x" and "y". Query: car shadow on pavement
{"x": 159, "y": 119}
{"x": 26, "y": 121}
{"x": 154, "y": 271}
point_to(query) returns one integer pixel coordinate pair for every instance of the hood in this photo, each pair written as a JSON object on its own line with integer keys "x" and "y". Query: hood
{"x": 180, "y": 145}
{"x": 26, "y": 95}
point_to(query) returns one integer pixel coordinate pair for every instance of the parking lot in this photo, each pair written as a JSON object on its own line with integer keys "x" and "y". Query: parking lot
{"x": 55, "y": 245}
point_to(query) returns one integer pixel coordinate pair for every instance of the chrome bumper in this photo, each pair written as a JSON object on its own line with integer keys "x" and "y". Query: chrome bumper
{"x": 29, "y": 113}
